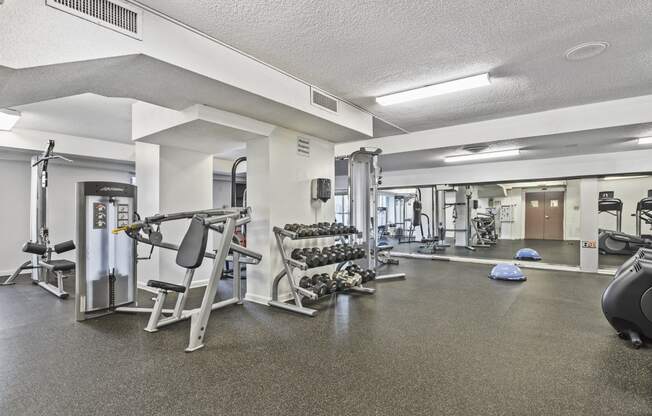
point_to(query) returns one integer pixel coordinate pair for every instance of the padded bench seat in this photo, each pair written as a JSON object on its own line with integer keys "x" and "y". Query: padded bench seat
{"x": 58, "y": 265}
{"x": 166, "y": 286}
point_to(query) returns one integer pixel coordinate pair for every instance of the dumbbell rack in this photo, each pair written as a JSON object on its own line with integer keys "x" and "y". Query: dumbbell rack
{"x": 289, "y": 264}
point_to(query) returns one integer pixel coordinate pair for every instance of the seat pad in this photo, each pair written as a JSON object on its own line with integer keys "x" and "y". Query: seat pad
{"x": 166, "y": 286}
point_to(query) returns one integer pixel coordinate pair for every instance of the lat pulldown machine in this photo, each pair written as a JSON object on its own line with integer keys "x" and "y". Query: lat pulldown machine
{"x": 42, "y": 266}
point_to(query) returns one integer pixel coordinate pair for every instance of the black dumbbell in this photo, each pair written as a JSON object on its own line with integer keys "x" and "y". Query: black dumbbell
{"x": 331, "y": 286}
{"x": 320, "y": 289}
{"x": 297, "y": 254}
{"x": 316, "y": 278}
{"x": 305, "y": 282}
{"x": 313, "y": 260}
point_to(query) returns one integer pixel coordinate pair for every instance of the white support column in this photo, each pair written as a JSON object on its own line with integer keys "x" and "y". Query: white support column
{"x": 148, "y": 183}
{"x": 589, "y": 225}
{"x": 170, "y": 179}
{"x": 278, "y": 191}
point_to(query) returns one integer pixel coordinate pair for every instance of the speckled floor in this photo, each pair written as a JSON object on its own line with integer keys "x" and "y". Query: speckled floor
{"x": 446, "y": 341}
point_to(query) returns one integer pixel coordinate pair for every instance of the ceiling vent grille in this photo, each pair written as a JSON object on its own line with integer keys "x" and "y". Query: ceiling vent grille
{"x": 323, "y": 101}
{"x": 303, "y": 146}
{"x": 114, "y": 15}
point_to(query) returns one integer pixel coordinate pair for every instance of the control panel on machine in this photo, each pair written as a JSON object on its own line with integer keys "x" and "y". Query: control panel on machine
{"x": 99, "y": 216}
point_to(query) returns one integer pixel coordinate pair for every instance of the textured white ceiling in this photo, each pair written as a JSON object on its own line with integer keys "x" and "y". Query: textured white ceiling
{"x": 84, "y": 115}
{"x": 614, "y": 139}
{"x": 362, "y": 49}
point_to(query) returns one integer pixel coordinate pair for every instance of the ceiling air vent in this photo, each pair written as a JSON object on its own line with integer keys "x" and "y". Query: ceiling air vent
{"x": 323, "y": 101}
{"x": 114, "y": 14}
{"x": 303, "y": 146}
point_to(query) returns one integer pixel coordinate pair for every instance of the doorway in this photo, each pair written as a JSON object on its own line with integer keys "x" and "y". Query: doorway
{"x": 544, "y": 215}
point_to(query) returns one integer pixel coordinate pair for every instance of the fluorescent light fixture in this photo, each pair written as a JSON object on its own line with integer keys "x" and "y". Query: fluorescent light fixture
{"x": 616, "y": 178}
{"x": 482, "y": 155}
{"x": 645, "y": 140}
{"x": 8, "y": 119}
{"x": 461, "y": 84}
{"x": 401, "y": 191}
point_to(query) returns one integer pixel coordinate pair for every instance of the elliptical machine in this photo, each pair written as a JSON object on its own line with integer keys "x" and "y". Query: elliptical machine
{"x": 617, "y": 242}
{"x": 627, "y": 301}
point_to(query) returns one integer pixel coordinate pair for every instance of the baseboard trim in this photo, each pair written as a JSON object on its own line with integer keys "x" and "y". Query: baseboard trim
{"x": 264, "y": 300}
{"x": 261, "y": 300}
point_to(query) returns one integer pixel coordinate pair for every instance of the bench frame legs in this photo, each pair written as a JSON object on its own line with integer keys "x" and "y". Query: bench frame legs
{"x": 57, "y": 290}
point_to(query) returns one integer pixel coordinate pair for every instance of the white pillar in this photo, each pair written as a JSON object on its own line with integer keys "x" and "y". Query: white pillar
{"x": 460, "y": 222}
{"x": 278, "y": 191}
{"x": 171, "y": 180}
{"x": 148, "y": 184}
{"x": 589, "y": 225}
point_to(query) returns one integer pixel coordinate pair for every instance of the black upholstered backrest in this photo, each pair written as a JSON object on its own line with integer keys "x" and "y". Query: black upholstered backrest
{"x": 192, "y": 248}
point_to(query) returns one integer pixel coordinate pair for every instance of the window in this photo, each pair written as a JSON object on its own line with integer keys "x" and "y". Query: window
{"x": 342, "y": 209}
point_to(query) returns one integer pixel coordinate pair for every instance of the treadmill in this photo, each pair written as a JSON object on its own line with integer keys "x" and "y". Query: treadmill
{"x": 617, "y": 242}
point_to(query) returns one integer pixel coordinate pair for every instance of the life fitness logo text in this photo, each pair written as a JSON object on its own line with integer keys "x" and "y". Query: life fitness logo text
{"x": 108, "y": 188}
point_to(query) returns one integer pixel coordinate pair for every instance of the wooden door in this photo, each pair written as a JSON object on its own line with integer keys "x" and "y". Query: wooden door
{"x": 553, "y": 228}
{"x": 534, "y": 215}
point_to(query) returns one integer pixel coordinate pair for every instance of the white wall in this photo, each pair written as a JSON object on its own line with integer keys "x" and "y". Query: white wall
{"x": 525, "y": 170}
{"x": 572, "y": 210}
{"x": 186, "y": 180}
{"x": 221, "y": 193}
{"x": 630, "y": 191}
{"x": 278, "y": 182}
{"x": 15, "y": 189}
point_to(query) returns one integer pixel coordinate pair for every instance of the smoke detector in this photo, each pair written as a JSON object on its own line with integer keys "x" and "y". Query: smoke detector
{"x": 586, "y": 50}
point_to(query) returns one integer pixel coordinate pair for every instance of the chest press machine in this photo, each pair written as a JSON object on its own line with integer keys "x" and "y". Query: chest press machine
{"x": 110, "y": 286}
{"x": 44, "y": 268}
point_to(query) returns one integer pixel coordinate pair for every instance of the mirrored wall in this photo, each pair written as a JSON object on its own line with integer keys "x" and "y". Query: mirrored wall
{"x": 494, "y": 221}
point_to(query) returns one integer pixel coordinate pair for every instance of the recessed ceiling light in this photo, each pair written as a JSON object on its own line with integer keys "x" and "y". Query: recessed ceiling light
{"x": 586, "y": 50}
{"x": 482, "y": 155}
{"x": 8, "y": 119}
{"x": 645, "y": 140}
{"x": 435, "y": 89}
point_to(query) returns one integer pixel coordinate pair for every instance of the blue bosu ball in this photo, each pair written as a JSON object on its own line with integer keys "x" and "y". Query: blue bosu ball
{"x": 527, "y": 254}
{"x": 507, "y": 271}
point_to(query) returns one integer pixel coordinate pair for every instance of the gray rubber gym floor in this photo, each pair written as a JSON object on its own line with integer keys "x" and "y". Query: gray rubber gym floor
{"x": 552, "y": 251}
{"x": 446, "y": 341}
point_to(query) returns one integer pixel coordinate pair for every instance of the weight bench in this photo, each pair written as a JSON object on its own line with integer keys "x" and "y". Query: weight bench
{"x": 190, "y": 256}
{"x": 46, "y": 266}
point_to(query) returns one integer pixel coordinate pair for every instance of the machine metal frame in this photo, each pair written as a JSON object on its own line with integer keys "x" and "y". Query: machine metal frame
{"x": 223, "y": 221}
{"x": 612, "y": 206}
{"x": 42, "y": 264}
{"x": 364, "y": 177}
